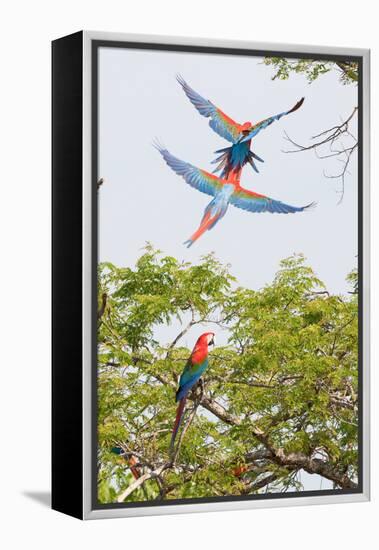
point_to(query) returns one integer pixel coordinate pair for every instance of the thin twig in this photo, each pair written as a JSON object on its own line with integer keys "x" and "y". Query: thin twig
{"x": 332, "y": 136}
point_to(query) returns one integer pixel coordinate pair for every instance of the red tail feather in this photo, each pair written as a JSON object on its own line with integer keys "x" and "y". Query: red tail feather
{"x": 179, "y": 416}
{"x": 205, "y": 223}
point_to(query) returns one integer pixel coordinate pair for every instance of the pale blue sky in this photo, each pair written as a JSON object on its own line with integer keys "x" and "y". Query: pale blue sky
{"x": 143, "y": 200}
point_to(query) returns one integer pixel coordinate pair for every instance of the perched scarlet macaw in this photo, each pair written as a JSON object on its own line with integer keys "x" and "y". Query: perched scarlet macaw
{"x": 225, "y": 192}
{"x": 195, "y": 366}
{"x": 232, "y": 159}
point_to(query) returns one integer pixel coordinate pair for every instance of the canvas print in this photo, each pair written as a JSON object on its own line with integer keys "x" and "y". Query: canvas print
{"x": 227, "y": 343}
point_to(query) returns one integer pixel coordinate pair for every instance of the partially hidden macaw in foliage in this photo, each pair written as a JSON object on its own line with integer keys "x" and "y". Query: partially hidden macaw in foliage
{"x": 233, "y": 158}
{"x": 224, "y": 192}
{"x": 195, "y": 367}
{"x": 131, "y": 461}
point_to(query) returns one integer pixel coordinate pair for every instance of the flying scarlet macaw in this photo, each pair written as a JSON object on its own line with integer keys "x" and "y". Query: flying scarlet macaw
{"x": 232, "y": 159}
{"x": 195, "y": 366}
{"x": 225, "y": 192}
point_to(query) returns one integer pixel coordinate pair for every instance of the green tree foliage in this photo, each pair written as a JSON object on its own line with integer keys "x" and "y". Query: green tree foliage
{"x": 312, "y": 68}
{"x": 280, "y": 398}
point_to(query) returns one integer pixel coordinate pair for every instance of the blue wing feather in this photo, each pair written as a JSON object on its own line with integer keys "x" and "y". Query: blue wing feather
{"x": 191, "y": 375}
{"x": 268, "y": 121}
{"x": 252, "y": 202}
{"x": 204, "y": 106}
{"x": 195, "y": 177}
{"x": 220, "y": 123}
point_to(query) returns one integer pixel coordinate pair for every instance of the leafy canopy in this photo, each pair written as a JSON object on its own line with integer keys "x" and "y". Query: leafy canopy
{"x": 313, "y": 68}
{"x": 279, "y": 398}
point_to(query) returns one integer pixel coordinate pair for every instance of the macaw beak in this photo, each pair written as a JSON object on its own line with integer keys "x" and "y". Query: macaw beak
{"x": 212, "y": 342}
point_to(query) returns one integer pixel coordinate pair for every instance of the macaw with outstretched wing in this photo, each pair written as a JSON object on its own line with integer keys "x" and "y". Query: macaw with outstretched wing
{"x": 233, "y": 158}
{"x": 194, "y": 369}
{"x": 224, "y": 192}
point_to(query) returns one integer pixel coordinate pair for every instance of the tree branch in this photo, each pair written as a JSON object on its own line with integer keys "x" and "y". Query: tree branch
{"x": 256, "y": 485}
{"x": 141, "y": 480}
{"x": 277, "y": 455}
{"x": 180, "y": 335}
{"x": 314, "y": 466}
{"x": 332, "y": 136}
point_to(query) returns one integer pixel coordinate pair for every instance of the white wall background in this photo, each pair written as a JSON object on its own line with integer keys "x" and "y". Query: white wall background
{"x": 27, "y": 28}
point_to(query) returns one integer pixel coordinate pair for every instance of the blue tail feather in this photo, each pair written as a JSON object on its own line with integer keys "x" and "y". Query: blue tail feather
{"x": 188, "y": 243}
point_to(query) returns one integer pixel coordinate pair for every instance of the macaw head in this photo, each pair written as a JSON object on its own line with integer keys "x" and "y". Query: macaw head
{"x": 206, "y": 339}
{"x": 246, "y": 127}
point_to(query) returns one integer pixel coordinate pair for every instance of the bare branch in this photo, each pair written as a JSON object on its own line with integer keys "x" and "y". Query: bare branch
{"x": 180, "y": 335}
{"x": 140, "y": 481}
{"x": 331, "y": 137}
{"x": 256, "y": 485}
